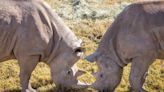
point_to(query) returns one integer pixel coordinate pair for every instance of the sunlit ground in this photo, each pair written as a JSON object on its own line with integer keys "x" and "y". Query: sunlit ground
{"x": 90, "y": 31}
{"x": 9, "y": 80}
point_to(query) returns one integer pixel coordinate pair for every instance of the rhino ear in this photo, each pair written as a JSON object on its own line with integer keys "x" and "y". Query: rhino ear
{"x": 92, "y": 57}
{"x": 79, "y": 51}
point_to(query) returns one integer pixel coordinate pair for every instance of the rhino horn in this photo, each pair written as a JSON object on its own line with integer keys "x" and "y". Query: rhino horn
{"x": 83, "y": 83}
{"x": 92, "y": 57}
{"x": 79, "y": 73}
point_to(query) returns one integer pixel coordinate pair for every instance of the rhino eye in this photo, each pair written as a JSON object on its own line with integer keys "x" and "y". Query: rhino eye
{"x": 101, "y": 75}
{"x": 69, "y": 72}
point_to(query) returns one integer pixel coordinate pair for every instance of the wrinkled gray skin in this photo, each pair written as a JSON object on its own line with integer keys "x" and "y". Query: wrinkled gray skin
{"x": 136, "y": 36}
{"x": 31, "y": 32}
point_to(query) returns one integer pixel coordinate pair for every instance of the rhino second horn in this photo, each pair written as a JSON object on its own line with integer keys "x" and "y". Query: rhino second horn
{"x": 74, "y": 69}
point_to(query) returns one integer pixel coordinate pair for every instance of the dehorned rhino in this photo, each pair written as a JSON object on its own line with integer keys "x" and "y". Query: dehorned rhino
{"x": 30, "y": 31}
{"x": 136, "y": 36}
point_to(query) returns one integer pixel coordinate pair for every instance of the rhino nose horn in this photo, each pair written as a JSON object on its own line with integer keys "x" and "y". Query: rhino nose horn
{"x": 88, "y": 58}
{"x": 82, "y": 83}
{"x": 92, "y": 57}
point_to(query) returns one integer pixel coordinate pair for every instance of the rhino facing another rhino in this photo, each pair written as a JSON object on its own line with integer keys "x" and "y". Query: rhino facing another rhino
{"x": 31, "y": 32}
{"x": 136, "y": 36}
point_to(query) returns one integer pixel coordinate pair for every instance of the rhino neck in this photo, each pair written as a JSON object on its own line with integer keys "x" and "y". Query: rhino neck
{"x": 111, "y": 52}
{"x": 63, "y": 31}
{"x": 108, "y": 44}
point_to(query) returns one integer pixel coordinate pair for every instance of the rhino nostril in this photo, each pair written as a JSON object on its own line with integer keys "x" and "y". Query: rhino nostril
{"x": 105, "y": 90}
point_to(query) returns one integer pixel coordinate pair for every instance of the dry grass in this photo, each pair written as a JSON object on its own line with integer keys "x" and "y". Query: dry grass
{"x": 90, "y": 31}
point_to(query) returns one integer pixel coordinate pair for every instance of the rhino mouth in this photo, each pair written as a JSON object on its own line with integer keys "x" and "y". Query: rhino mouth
{"x": 105, "y": 90}
{"x": 78, "y": 86}
{"x": 61, "y": 88}
{"x": 100, "y": 89}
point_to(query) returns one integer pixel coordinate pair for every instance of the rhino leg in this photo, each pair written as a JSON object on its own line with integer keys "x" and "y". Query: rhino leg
{"x": 139, "y": 68}
{"x": 27, "y": 65}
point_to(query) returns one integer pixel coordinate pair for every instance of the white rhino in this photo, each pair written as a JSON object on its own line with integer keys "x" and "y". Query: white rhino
{"x": 31, "y": 32}
{"x": 136, "y": 36}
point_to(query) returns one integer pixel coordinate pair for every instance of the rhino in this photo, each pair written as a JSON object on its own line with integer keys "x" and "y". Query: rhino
{"x": 136, "y": 36}
{"x": 31, "y": 32}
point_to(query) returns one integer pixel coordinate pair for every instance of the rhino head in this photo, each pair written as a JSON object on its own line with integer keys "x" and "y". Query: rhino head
{"x": 108, "y": 75}
{"x": 64, "y": 72}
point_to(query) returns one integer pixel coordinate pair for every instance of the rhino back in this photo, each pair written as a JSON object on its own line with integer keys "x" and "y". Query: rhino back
{"x": 137, "y": 29}
{"x": 22, "y": 29}
{"x": 142, "y": 29}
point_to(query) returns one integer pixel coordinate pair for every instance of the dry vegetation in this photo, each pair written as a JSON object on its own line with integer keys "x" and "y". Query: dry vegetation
{"x": 90, "y": 29}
